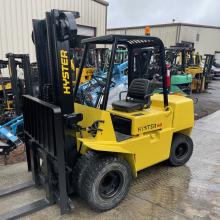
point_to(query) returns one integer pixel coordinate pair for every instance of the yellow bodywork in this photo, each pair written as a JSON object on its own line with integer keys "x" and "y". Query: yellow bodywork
{"x": 87, "y": 74}
{"x": 198, "y": 81}
{"x": 151, "y": 130}
{"x": 6, "y": 86}
{"x": 194, "y": 70}
{"x": 9, "y": 105}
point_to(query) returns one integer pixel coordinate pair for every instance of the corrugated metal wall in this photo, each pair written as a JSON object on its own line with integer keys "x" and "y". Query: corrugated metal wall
{"x": 167, "y": 34}
{"x": 138, "y": 31}
{"x": 209, "y": 38}
{"x": 121, "y": 31}
{"x": 16, "y": 20}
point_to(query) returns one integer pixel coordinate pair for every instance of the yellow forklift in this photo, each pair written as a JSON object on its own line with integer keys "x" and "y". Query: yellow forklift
{"x": 191, "y": 64}
{"x": 88, "y": 71}
{"x": 195, "y": 69}
{"x": 201, "y": 74}
{"x": 6, "y": 99}
{"x": 136, "y": 132}
{"x": 12, "y": 87}
{"x": 97, "y": 151}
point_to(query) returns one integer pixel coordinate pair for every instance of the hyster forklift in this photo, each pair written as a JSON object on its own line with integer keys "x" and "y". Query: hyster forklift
{"x": 94, "y": 151}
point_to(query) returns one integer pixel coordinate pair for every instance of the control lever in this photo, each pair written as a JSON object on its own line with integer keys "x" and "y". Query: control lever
{"x": 94, "y": 127}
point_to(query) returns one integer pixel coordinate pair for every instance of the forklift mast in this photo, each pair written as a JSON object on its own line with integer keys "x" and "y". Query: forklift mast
{"x": 22, "y": 61}
{"x": 53, "y": 38}
{"x": 183, "y": 60}
{"x": 50, "y": 146}
{"x": 183, "y": 53}
{"x": 209, "y": 60}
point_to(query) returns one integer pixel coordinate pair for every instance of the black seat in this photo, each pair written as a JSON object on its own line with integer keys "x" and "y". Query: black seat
{"x": 137, "y": 98}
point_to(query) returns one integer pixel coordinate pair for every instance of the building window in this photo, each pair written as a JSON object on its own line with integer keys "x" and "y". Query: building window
{"x": 197, "y": 37}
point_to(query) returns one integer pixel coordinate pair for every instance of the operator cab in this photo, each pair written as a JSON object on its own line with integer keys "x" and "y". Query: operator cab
{"x": 129, "y": 105}
{"x": 103, "y": 90}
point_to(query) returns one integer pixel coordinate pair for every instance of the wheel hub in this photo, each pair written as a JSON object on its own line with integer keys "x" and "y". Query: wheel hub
{"x": 110, "y": 184}
{"x": 181, "y": 150}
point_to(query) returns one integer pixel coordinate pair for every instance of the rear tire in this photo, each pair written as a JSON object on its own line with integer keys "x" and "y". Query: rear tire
{"x": 181, "y": 150}
{"x": 105, "y": 182}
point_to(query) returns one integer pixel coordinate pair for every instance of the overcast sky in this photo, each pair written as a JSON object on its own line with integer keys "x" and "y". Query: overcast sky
{"x": 122, "y": 13}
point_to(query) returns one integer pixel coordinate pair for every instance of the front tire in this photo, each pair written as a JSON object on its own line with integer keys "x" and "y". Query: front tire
{"x": 105, "y": 182}
{"x": 181, "y": 150}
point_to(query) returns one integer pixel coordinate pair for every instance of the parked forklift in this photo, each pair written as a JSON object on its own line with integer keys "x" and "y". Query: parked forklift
{"x": 11, "y": 126}
{"x": 95, "y": 151}
{"x": 88, "y": 71}
{"x": 193, "y": 67}
{"x": 180, "y": 81}
{"x": 201, "y": 73}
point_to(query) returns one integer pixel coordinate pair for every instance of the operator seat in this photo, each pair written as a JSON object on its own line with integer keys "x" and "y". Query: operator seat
{"x": 138, "y": 97}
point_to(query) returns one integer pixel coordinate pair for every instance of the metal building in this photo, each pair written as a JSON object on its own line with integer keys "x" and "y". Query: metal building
{"x": 206, "y": 38}
{"x": 16, "y": 21}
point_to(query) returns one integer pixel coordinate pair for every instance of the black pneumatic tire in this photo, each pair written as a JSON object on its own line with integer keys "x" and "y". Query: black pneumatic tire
{"x": 105, "y": 182}
{"x": 81, "y": 166}
{"x": 181, "y": 149}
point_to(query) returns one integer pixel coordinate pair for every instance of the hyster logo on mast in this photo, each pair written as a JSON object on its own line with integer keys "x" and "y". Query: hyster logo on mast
{"x": 65, "y": 71}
